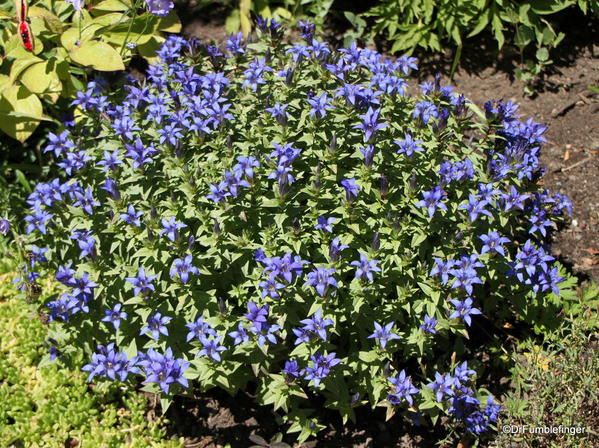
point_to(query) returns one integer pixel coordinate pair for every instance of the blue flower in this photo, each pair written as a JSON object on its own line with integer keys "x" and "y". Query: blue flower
{"x": 240, "y": 335}
{"x": 245, "y": 166}
{"x": 493, "y": 243}
{"x": 183, "y": 267}
{"x": 335, "y": 249}
{"x": 351, "y": 188}
{"x": 142, "y": 284}
{"x": 442, "y": 268}
{"x": 198, "y": 329}
{"x": 365, "y": 268}
{"x": 156, "y": 325}
{"x": 442, "y": 386}
{"x": 403, "y": 389}
{"x": 462, "y": 374}
{"x": 370, "y": 124}
{"x": 4, "y": 226}
{"x": 111, "y": 161}
{"x": 86, "y": 242}
{"x": 271, "y": 287}
{"x": 429, "y": 324}
{"x": 86, "y": 201}
{"x": 235, "y": 44}
{"x": 37, "y": 255}
{"x": 278, "y": 112}
{"x": 164, "y": 369}
{"x": 475, "y": 207}
{"x": 171, "y": 228}
{"x": 38, "y": 221}
{"x": 59, "y": 143}
{"x": 463, "y": 310}
{"x": 211, "y": 347}
{"x": 425, "y": 110}
{"x": 321, "y": 367}
{"x": 383, "y": 334}
{"x": 320, "y": 105}
{"x": 408, "y": 145}
{"x": 325, "y": 223}
{"x": 291, "y": 371}
{"x": 321, "y": 278}
{"x": 115, "y": 315}
{"x": 109, "y": 363}
{"x": 432, "y": 200}
{"x": 317, "y": 324}
{"x": 132, "y": 216}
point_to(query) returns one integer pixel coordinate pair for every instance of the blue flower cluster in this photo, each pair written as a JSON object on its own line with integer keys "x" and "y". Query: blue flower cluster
{"x": 464, "y": 405}
{"x": 385, "y": 228}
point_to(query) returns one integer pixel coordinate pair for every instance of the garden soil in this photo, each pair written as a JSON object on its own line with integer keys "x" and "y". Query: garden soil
{"x": 564, "y": 103}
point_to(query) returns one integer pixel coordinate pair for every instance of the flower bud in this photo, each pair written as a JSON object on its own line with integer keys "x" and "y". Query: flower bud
{"x": 384, "y": 186}
{"x": 216, "y": 227}
{"x": 289, "y": 77}
{"x": 222, "y": 305}
{"x": 413, "y": 180}
{"x": 296, "y": 226}
{"x": 4, "y": 226}
{"x": 376, "y": 241}
{"x": 333, "y": 144}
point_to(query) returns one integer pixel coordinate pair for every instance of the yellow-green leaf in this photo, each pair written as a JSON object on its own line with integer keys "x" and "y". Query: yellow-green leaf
{"x": 97, "y": 55}
{"x": 28, "y": 109}
{"x": 4, "y": 82}
{"x": 170, "y": 23}
{"x": 21, "y": 63}
{"x": 42, "y": 77}
{"x": 111, "y": 5}
{"x": 51, "y": 22}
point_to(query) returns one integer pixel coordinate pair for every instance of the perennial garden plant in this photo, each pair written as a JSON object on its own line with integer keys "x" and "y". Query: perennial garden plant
{"x": 305, "y": 219}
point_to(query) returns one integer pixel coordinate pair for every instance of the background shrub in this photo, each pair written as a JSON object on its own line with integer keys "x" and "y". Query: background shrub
{"x": 299, "y": 218}
{"x": 69, "y": 39}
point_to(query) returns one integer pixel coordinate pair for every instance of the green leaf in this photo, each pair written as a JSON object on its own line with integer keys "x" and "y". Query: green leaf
{"x": 29, "y": 108}
{"x": 233, "y": 22}
{"x": 542, "y": 54}
{"x": 111, "y": 5}
{"x": 97, "y": 55}
{"x": 42, "y": 77}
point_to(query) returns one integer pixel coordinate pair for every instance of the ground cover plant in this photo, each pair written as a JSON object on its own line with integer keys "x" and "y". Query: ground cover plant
{"x": 299, "y": 218}
{"x": 555, "y": 381}
{"x": 49, "y": 405}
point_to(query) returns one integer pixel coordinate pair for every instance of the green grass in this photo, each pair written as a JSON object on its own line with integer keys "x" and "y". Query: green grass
{"x": 556, "y": 383}
{"x": 46, "y": 406}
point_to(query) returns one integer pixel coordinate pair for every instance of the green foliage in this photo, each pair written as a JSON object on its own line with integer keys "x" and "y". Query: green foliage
{"x": 288, "y": 11}
{"x": 555, "y": 382}
{"x": 45, "y": 406}
{"x": 67, "y": 44}
{"x": 186, "y": 131}
{"x": 429, "y": 24}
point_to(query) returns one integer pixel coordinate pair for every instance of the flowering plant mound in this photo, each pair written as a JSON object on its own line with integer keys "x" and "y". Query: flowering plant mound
{"x": 296, "y": 217}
